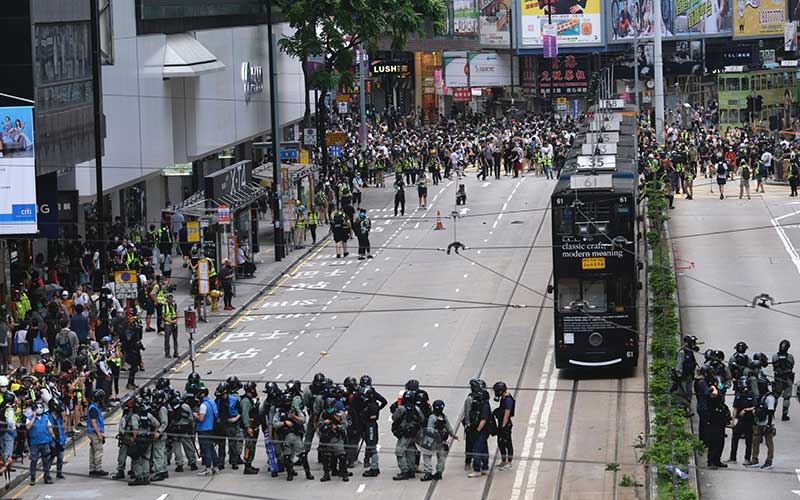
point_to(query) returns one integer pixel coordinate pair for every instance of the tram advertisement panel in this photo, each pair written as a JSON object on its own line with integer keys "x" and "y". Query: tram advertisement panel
{"x": 580, "y": 258}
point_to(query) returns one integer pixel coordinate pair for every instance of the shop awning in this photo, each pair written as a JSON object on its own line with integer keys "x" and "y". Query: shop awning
{"x": 243, "y": 197}
{"x": 296, "y": 172}
{"x": 185, "y": 57}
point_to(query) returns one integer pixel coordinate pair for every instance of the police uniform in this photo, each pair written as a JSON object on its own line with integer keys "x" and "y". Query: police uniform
{"x": 122, "y": 453}
{"x": 332, "y": 435}
{"x": 312, "y": 402}
{"x": 783, "y": 365}
{"x": 290, "y": 438}
{"x": 685, "y": 365}
{"x": 183, "y": 437}
{"x": 141, "y": 425}
{"x": 160, "y": 445}
{"x": 406, "y": 423}
{"x": 250, "y": 423}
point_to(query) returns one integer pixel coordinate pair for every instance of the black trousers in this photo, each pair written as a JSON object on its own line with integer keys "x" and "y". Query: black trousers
{"x": 170, "y": 332}
{"x": 401, "y": 202}
{"x": 132, "y": 373}
{"x": 313, "y": 229}
{"x": 504, "y": 444}
{"x": 227, "y": 293}
{"x": 363, "y": 245}
{"x": 740, "y": 432}
{"x": 715, "y": 441}
{"x": 469, "y": 444}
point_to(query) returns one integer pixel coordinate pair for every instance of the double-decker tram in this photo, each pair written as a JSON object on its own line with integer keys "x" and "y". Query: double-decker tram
{"x": 595, "y": 264}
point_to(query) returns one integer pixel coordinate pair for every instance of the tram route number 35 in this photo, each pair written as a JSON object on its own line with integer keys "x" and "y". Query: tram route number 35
{"x": 593, "y": 263}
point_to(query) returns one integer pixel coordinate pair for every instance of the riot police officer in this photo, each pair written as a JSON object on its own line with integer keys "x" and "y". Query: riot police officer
{"x": 312, "y": 401}
{"x": 685, "y": 365}
{"x": 287, "y": 425}
{"x": 332, "y": 426}
{"x": 743, "y": 421}
{"x": 233, "y": 425}
{"x": 181, "y": 429}
{"x": 407, "y": 420}
{"x": 783, "y": 365}
{"x": 352, "y": 402}
{"x": 123, "y": 437}
{"x": 251, "y": 422}
{"x": 371, "y": 405}
{"x": 159, "y": 445}
{"x": 739, "y": 361}
{"x": 476, "y": 387}
{"x": 140, "y": 428}
{"x": 756, "y": 378}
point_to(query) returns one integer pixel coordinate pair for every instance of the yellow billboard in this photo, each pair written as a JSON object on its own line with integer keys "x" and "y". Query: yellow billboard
{"x": 759, "y": 18}
{"x": 578, "y": 22}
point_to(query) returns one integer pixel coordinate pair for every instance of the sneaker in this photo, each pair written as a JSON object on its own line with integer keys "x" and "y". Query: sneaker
{"x": 214, "y": 470}
{"x": 750, "y": 463}
{"x": 767, "y": 465}
{"x": 204, "y": 472}
{"x": 474, "y": 474}
{"x": 507, "y": 466}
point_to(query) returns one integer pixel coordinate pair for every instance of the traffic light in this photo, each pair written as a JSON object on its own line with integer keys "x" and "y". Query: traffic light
{"x": 750, "y": 107}
{"x": 759, "y": 103}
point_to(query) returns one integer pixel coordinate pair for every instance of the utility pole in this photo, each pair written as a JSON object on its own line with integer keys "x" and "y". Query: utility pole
{"x": 277, "y": 209}
{"x": 510, "y": 14}
{"x": 362, "y": 95}
{"x": 97, "y": 97}
{"x": 659, "y": 73}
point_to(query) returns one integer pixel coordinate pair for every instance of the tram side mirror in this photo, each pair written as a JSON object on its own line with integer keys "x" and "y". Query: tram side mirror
{"x": 550, "y": 289}
{"x": 640, "y": 264}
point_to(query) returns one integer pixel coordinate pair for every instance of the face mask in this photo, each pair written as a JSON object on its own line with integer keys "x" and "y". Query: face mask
{"x": 27, "y": 412}
{"x": 39, "y": 410}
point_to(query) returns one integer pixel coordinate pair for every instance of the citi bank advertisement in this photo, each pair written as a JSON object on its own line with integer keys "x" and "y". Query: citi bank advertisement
{"x": 17, "y": 171}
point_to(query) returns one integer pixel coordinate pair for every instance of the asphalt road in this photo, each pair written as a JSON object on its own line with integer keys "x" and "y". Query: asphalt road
{"x": 415, "y": 312}
{"x": 751, "y": 250}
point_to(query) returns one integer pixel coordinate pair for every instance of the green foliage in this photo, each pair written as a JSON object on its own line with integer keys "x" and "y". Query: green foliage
{"x": 629, "y": 482}
{"x": 671, "y": 442}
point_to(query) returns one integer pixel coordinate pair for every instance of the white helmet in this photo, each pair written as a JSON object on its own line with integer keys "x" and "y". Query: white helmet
{"x": 44, "y": 351}
{"x": 4, "y": 382}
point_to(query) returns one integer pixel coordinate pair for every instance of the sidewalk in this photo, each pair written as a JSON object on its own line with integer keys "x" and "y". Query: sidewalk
{"x": 268, "y": 273}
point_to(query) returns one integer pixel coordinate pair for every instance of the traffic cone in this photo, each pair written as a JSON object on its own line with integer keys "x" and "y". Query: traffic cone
{"x": 439, "y": 225}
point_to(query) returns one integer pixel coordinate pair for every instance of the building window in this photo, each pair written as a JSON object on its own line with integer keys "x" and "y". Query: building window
{"x": 106, "y": 33}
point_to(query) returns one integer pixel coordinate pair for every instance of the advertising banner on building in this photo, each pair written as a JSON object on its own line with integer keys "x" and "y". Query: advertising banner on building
{"x": 681, "y": 18}
{"x": 759, "y": 18}
{"x": 494, "y": 23}
{"x": 485, "y": 69}
{"x": 578, "y": 22}
{"x": 465, "y": 17}
{"x": 790, "y": 36}
{"x": 17, "y": 171}
{"x": 462, "y": 94}
{"x": 568, "y": 75}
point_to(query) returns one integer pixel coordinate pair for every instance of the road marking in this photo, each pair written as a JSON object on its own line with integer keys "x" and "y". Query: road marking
{"x": 334, "y": 316}
{"x": 486, "y": 241}
{"x": 377, "y": 269}
{"x": 290, "y": 343}
{"x": 278, "y": 376}
{"x": 284, "y": 349}
{"x": 494, "y": 226}
{"x": 541, "y": 409}
{"x": 458, "y": 290}
{"x": 276, "y": 356}
{"x": 466, "y": 275}
{"x": 424, "y": 345}
{"x": 361, "y": 488}
{"x": 162, "y": 497}
{"x": 308, "y": 324}
{"x": 787, "y": 244}
{"x": 324, "y": 308}
{"x": 505, "y": 205}
{"x": 416, "y": 225}
{"x": 387, "y": 258}
{"x": 300, "y": 353}
{"x": 269, "y": 364}
{"x": 436, "y": 325}
{"x": 413, "y": 367}
{"x": 262, "y": 371}
{"x": 364, "y": 284}
{"x": 297, "y": 336}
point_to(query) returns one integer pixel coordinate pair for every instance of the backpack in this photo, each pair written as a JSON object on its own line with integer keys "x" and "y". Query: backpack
{"x": 338, "y": 220}
{"x": 65, "y": 348}
{"x": 762, "y": 412}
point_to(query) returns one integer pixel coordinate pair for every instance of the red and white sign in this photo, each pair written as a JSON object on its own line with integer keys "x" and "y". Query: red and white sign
{"x": 224, "y": 214}
{"x": 461, "y": 94}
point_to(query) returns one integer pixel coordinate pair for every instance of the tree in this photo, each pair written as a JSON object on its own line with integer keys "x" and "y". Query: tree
{"x": 333, "y": 29}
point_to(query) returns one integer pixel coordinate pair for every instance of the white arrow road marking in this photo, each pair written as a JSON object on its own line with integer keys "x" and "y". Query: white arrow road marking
{"x": 361, "y": 488}
{"x": 484, "y": 184}
{"x": 463, "y": 211}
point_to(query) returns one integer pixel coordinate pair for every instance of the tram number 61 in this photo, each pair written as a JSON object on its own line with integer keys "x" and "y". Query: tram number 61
{"x": 629, "y": 354}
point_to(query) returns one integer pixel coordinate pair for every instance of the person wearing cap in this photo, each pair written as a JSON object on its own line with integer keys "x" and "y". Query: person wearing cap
{"x": 170, "y": 326}
{"x": 40, "y": 436}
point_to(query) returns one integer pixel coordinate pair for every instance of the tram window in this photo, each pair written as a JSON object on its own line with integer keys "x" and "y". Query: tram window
{"x": 723, "y": 115}
{"x": 745, "y": 83}
{"x": 594, "y": 292}
{"x": 569, "y": 291}
{"x": 566, "y": 220}
{"x": 732, "y": 84}
{"x": 756, "y": 83}
{"x": 770, "y": 83}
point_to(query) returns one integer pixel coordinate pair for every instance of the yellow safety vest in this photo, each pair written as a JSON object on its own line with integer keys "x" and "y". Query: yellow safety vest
{"x": 313, "y": 219}
{"x": 170, "y": 314}
{"x": 301, "y": 222}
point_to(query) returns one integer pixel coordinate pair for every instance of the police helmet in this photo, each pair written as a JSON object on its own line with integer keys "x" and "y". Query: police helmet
{"x": 319, "y": 380}
{"x": 705, "y": 369}
{"x": 350, "y": 383}
{"x": 159, "y": 396}
{"x": 784, "y": 345}
{"x": 367, "y": 392}
{"x": 202, "y": 392}
{"x": 409, "y": 398}
{"x": 98, "y": 395}
{"x": 194, "y": 378}
{"x": 499, "y": 388}
{"x": 250, "y": 387}
{"x": 742, "y": 384}
{"x": 719, "y": 355}
{"x": 233, "y": 383}
{"x": 222, "y": 388}
{"x": 691, "y": 342}
{"x": 162, "y": 383}
{"x": 272, "y": 390}
{"x": 412, "y": 385}
{"x": 293, "y": 386}
{"x": 438, "y": 407}
{"x": 741, "y": 347}
{"x": 285, "y": 400}
{"x": 365, "y": 380}
{"x": 146, "y": 393}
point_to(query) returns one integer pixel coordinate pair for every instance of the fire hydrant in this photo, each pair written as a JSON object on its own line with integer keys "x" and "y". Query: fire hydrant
{"x": 215, "y": 295}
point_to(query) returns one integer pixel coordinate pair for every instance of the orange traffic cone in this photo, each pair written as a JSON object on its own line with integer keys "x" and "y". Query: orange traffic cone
{"x": 439, "y": 225}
